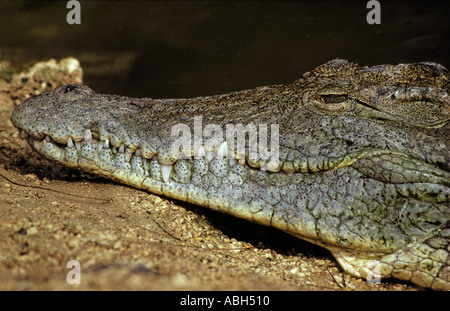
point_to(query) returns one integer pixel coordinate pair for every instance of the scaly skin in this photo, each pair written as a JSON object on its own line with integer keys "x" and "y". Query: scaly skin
{"x": 363, "y": 164}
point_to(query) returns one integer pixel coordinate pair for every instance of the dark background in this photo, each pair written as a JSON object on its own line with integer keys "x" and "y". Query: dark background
{"x": 191, "y": 48}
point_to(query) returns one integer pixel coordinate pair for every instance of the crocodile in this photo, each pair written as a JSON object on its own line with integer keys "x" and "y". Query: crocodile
{"x": 359, "y": 162}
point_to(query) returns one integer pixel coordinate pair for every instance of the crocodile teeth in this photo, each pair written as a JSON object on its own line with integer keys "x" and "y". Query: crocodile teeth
{"x": 165, "y": 171}
{"x": 122, "y": 149}
{"x": 99, "y": 147}
{"x": 127, "y": 156}
{"x": 106, "y": 144}
{"x": 146, "y": 165}
{"x": 48, "y": 139}
{"x": 222, "y": 150}
{"x": 137, "y": 153}
{"x": 209, "y": 155}
{"x": 201, "y": 153}
{"x": 87, "y": 135}
{"x": 70, "y": 143}
{"x": 78, "y": 145}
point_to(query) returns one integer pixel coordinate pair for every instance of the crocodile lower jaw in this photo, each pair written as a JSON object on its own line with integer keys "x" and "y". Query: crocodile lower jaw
{"x": 132, "y": 168}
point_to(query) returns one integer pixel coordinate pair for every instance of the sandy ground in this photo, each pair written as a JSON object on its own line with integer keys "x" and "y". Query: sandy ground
{"x": 127, "y": 239}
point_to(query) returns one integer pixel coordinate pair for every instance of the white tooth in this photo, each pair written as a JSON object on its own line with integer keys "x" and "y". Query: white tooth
{"x": 87, "y": 135}
{"x": 114, "y": 150}
{"x": 221, "y": 151}
{"x": 127, "y": 156}
{"x": 48, "y": 139}
{"x": 70, "y": 143}
{"x": 186, "y": 154}
{"x": 36, "y": 144}
{"x": 99, "y": 147}
{"x": 122, "y": 149}
{"x": 137, "y": 153}
{"x": 201, "y": 153}
{"x": 106, "y": 145}
{"x": 146, "y": 166}
{"x": 165, "y": 171}
{"x": 209, "y": 155}
{"x": 78, "y": 145}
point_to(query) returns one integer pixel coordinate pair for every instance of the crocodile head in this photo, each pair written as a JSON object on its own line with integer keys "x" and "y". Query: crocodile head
{"x": 362, "y": 157}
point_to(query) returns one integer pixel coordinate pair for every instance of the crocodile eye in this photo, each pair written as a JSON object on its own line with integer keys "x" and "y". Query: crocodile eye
{"x": 335, "y": 103}
{"x": 333, "y": 99}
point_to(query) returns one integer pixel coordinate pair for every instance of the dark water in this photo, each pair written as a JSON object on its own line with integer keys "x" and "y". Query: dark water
{"x": 183, "y": 48}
